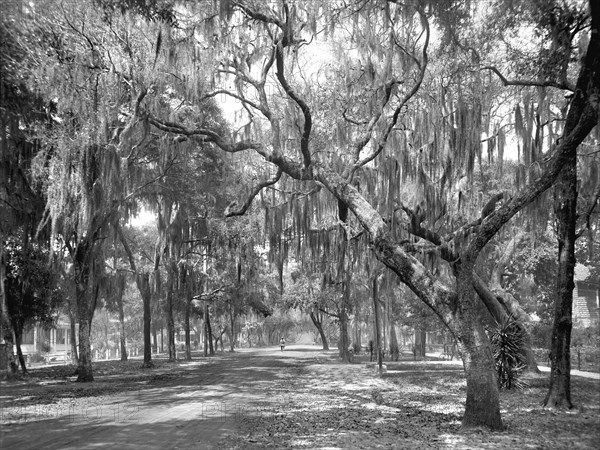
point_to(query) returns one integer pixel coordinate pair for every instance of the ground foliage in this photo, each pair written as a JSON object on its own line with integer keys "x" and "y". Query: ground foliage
{"x": 55, "y": 384}
{"x": 414, "y": 405}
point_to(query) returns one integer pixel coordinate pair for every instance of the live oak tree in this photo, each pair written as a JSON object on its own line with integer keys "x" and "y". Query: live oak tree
{"x": 264, "y": 50}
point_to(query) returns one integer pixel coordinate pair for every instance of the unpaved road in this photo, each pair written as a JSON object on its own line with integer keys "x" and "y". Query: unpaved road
{"x": 194, "y": 410}
{"x": 265, "y": 399}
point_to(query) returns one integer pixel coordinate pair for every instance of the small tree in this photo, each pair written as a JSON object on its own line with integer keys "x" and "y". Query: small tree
{"x": 31, "y": 292}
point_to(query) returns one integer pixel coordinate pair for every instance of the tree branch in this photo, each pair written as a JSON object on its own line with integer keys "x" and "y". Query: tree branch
{"x": 304, "y": 139}
{"x": 231, "y": 211}
{"x": 588, "y": 215}
{"x": 405, "y": 99}
{"x": 506, "y": 82}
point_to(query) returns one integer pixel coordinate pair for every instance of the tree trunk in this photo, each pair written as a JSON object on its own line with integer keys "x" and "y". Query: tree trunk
{"x": 86, "y": 295}
{"x": 142, "y": 280}
{"x": 154, "y": 338}
{"x": 344, "y": 342}
{"x": 314, "y": 316}
{"x": 84, "y": 369}
{"x": 10, "y": 356}
{"x": 122, "y": 328}
{"x": 357, "y": 338}
{"x": 73, "y": 334}
{"x": 232, "y": 327}
{"x": 394, "y": 348}
{"x": 565, "y": 209}
{"x": 208, "y": 336}
{"x": 170, "y": 321}
{"x": 18, "y": 335}
{"x": 188, "y": 343}
{"x": 143, "y": 284}
{"x": 483, "y": 403}
{"x": 5, "y": 348}
{"x": 205, "y": 333}
{"x": 162, "y": 340}
{"x": 377, "y": 314}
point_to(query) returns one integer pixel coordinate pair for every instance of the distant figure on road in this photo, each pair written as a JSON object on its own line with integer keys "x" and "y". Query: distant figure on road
{"x": 282, "y": 343}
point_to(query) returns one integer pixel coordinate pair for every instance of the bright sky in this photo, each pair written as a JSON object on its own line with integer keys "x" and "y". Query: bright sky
{"x": 145, "y": 217}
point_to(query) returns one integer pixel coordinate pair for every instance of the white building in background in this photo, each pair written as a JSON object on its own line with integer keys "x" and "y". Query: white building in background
{"x": 52, "y": 343}
{"x": 586, "y": 297}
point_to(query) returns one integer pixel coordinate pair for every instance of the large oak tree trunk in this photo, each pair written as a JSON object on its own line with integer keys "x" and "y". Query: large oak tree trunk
{"x": 86, "y": 295}
{"x": 483, "y": 401}
{"x": 84, "y": 369}
{"x": 565, "y": 208}
{"x": 344, "y": 341}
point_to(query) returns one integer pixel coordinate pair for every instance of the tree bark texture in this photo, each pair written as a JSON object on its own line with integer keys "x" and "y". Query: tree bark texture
{"x": 84, "y": 370}
{"x": 231, "y": 330}
{"x": 344, "y": 341}
{"x": 86, "y": 294}
{"x": 483, "y": 399}
{"x": 188, "y": 341}
{"x": 122, "y": 327}
{"x": 565, "y": 209}
{"x": 73, "y": 334}
{"x": 377, "y": 317}
{"x": 208, "y": 344}
{"x": 142, "y": 280}
{"x": 170, "y": 321}
{"x": 143, "y": 284}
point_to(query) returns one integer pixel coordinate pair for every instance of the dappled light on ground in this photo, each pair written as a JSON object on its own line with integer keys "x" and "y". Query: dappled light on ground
{"x": 264, "y": 398}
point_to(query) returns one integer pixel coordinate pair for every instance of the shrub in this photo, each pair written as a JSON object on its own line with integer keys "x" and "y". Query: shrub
{"x": 541, "y": 334}
{"x": 356, "y": 348}
{"x": 507, "y": 343}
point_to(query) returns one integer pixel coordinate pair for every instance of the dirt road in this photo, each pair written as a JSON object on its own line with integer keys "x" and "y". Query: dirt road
{"x": 194, "y": 409}
{"x": 265, "y": 398}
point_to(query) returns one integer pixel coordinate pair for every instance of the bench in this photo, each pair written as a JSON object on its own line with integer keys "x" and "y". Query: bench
{"x": 57, "y": 358}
